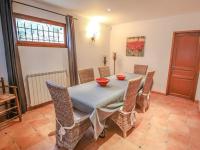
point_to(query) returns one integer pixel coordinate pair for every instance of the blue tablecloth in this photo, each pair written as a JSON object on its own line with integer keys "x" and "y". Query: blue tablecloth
{"x": 93, "y": 99}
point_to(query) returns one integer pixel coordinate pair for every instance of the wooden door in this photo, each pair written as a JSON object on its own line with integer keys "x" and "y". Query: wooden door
{"x": 184, "y": 65}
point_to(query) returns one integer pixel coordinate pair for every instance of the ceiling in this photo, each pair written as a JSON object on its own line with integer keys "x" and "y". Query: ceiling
{"x": 126, "y": 10}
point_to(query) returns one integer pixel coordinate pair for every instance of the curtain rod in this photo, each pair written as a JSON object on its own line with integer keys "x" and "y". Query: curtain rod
{"x": 41, "y": 9}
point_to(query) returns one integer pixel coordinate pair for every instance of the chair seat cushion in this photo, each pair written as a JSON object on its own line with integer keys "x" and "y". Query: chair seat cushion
{"x": 80, "y": 116}
{"x": 115, "y": 105}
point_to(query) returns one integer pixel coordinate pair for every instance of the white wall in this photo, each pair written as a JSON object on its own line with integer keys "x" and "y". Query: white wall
{"x": 37, "y": 59}
{"x": 91, "y": 54}
{"x": 158, "y": 35}
{"x": 40, "y": 59}
{"x": 3, "y": 70}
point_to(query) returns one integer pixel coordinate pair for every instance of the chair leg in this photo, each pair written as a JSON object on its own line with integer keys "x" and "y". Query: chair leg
{"x": 147, "y": 106}
{"x": 143, "y": 109}
{"x": 66, "y": 145}
{"x": 58, "y": 146}
{"x": 18, "y": 110}
{"x": 17, "y": 103}
{"x": 124, "y": 134}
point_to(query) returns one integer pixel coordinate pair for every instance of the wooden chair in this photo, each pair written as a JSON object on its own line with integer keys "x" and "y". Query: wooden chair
{"x": 125, "y": 118}
{"x": 143, "y": 99}
{"x": 86, "y": 75}
{"x": 70, "y": 124}
{"x": 10, "y": 102}
{"x": 104, "y": 71}
{"x": 140, "y": 69}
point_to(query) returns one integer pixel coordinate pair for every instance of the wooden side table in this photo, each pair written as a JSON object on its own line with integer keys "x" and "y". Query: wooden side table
{"x": 10, "y": 102}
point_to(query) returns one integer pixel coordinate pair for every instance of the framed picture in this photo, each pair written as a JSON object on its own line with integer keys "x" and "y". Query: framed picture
{"x": 135, "y": 46}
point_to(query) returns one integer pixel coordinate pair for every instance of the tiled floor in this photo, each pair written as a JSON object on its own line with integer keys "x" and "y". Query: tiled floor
{"x": 170, "y": 124}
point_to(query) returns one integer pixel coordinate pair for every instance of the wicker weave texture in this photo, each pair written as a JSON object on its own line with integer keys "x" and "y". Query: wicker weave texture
{"x": 143, "y": 100}
{"x": 104, "y": 71}
{"x": 123, "y": 118}
{"x": 123, "y": 121}
{"x": 148, "y": 82}
{"x": 131, "y": 94}
{"x": 64, "y": 114}
{"x": 86, "y": 75}
{"x": 140, "y": 69}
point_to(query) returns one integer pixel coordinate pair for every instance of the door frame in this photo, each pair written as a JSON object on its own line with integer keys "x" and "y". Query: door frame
{"x": 171, "y": 59}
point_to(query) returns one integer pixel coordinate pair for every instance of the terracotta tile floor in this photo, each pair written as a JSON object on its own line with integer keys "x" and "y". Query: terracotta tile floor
{"x": 171, "y": 123}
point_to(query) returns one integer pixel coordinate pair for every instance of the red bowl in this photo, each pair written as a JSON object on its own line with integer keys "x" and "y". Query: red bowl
{"x": 121, "y": 77}
{"x": 102, "y": 81}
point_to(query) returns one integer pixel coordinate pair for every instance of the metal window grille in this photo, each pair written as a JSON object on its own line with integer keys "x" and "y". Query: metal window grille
{"x": 33, "y": 31}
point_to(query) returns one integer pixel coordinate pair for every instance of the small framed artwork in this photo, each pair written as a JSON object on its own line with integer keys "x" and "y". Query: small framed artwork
{"x": 135, "y": 46}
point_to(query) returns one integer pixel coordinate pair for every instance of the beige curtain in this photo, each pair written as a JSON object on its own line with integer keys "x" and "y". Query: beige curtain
{"x": 71, "y": 45}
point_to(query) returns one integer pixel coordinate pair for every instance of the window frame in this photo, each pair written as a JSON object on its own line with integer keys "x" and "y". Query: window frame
{"x": 39, "y": 44}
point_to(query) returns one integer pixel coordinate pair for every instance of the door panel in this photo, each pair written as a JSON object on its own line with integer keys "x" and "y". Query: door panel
{"x": 185, "y": 74}
{"x": 181, "y": 86}
{"x": 186, "y": 50}
{"x": 183, "y": 71}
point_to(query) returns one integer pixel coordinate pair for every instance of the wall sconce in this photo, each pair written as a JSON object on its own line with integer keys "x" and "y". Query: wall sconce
{"x": 93, "y": 38}
{"x": 93, "y": 30}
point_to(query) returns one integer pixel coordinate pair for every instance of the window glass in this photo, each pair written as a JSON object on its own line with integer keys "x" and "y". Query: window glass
{"x": 33, "y": 31}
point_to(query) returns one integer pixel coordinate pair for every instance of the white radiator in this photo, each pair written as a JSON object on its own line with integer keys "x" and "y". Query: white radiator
{"x": 37, "y": 89}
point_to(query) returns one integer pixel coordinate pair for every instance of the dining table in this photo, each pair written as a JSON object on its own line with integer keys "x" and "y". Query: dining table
{"x": 101, "y": 102}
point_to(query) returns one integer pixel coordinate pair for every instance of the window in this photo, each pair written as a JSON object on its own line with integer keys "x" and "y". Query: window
{"x": 32, "y": 31}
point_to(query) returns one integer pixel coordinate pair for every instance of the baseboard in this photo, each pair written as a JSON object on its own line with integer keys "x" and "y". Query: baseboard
{"x": 40, "y": 105}
{"x": 197, "y": 102}
{"x": 161, "y": 93}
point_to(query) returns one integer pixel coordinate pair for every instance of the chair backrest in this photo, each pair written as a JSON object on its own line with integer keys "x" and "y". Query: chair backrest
{"x": 104, "y": 71}
{"x": 62, "y": 103}
{"x": 86, "y": 75}
{"x": 140, "y": 69}
{"x": 148, "y": 82}
{"x": 131, "y": 94}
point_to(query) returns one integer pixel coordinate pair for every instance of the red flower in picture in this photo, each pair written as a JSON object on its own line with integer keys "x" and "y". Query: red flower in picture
{"x": 135, "y": 46}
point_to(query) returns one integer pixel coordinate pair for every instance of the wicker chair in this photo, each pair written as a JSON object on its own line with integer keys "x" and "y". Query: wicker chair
{"x": 86, "y": 75}
{"x": 125, "y": 117}
{"x": 140, "y": 69}
{"x": 70, "y": 124}
{"x": 104, "y": 71}
{"x": 143, "y": 99}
